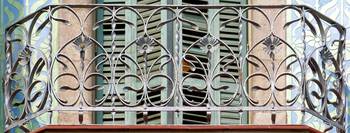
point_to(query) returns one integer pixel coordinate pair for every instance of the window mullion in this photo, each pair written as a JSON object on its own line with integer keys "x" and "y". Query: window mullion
{"x": 213, "y": 60}
{"x": 131, "y": 35}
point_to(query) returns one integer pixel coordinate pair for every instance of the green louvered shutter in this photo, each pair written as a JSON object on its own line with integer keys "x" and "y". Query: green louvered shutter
{"x": 189, "y": 35}
{"x": 230, "y": 35}
{"x": 155, "y": 96}
{"x": 106, "y": 38}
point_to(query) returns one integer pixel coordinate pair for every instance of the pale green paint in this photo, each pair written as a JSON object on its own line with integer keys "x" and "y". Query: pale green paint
{"x": 178, "y": 116}
{"x": 165, "y": 31}
{"x": 55, "y": 47}
{"x": 214, "y": 59}
{"x": 99, "y": 81}
{"x": 130, "y": 35}
{"x": 244, "y": 118}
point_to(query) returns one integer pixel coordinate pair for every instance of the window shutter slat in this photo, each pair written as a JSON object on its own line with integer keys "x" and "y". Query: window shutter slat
{"x": 230, "y": 36}
{"x": 152, "y": 117}
{"x": 107, "y": 44}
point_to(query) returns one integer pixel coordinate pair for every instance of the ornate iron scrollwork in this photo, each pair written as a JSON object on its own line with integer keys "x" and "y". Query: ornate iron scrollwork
{"x": 34, "y": 76}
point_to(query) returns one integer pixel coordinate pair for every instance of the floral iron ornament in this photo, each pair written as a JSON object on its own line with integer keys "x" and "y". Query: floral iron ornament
{"x": 82, "y": 42}
{"x": 145, "y": 44}
{"x": 24, "y": 56}
{"x": 208, "y": 43}
{"x": 271, "y": 43}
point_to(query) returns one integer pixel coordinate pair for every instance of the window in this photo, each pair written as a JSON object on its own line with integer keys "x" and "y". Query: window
{"x": 123, "y": 34}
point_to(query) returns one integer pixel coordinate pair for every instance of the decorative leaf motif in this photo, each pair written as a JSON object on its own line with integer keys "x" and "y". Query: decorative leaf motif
{"x": 145, "y": 44}
{"x": 209, "y": 43}
{"x": 82, "y": 42}
{"x": 290, "y": 22}
{"x": 64, "y": 87}
{"x": 61, "y": 20}
{"x": 123, "y": 20}
{"x": 289, "y": 65}
{"x": 252, "y": 62}
{"x": 42, "y": 26}
{"x": 260, "y": 88}
{"x": 18, "y": 103}
{"x": 288, "y": 87}
{"x": 315, "y": 94}
{"x": 195, "y": 88}
{"x": 224, "y": 87}
{"x": 25, "y": 55}
{"x": 165, "y": 22}
{"x": 92, "y": 88}
{"x": 271, "y": 43}
{"x": 36, "y": 95}
{"x": 255, "y": 24}
{"x": 128, "y": 88}
{"x": 312, "y": 28}
{"x": 193, "y": 24}
{"x": 223, "y": 24}
{"x": 101, "y": 22}
{"x": 37, "y": 68}
{"x": 326, "y": 54}
{"x": 157, "y": 88}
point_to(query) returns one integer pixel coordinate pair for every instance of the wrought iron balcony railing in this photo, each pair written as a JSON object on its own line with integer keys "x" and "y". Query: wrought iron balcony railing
{"x": 175, "y": 59}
